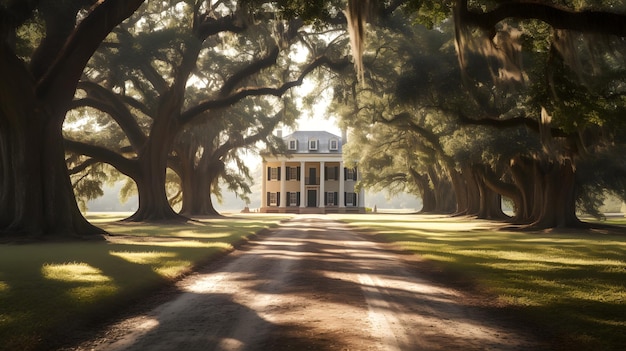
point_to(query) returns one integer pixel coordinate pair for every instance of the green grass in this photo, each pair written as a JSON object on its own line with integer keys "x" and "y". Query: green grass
{"x": 48, "y": 289}
{"x": 571, "y": 285}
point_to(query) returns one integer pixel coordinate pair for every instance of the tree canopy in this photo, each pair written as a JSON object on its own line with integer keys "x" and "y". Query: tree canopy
{"x": 461, "y": 102}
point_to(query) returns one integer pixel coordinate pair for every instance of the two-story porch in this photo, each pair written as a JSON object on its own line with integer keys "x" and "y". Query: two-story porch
{"x": 311, "y": 184}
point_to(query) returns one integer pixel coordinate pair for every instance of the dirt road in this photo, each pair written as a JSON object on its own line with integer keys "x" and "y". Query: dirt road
{"x": 313, "y": 284}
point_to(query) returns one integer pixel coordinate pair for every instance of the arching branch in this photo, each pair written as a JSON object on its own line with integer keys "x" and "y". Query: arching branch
{"x": 106, "y": 101}
{"x": 599, "y": 22}
{"x": 61, "y": 79}
{"x": 104, "y": 155}
{"x": 242, "y": 93}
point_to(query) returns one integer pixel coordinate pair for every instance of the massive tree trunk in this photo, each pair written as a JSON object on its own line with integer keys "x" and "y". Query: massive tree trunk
{"x": 472, "y": 192}
{"x": 36, "y": 197}
{"x": 197, "y": 181}
{"x": 558, "y": 203}
{"x": 443, "y": 192}
{"x": 427, "y": 194}
{"x": 490, "y": 198}
{"x": 153, "y": 201}
{"x": 429, "y": 202}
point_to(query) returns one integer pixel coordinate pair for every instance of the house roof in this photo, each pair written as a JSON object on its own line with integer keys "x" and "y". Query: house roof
{"x": 323, "y": 138}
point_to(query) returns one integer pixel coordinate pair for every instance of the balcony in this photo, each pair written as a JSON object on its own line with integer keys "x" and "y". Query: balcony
{"x": 312, "y": 181}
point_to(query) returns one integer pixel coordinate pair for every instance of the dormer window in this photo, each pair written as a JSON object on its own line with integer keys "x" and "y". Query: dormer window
{"x": 334, "y": 144}
{"x": 293, "y": 144}
{"x": 312, "y": 144}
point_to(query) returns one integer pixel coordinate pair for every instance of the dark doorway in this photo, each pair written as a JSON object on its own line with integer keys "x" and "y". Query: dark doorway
{"x": 311, "y": 198}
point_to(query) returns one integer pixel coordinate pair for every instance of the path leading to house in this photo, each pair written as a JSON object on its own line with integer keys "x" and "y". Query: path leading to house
{"x": 313, "y": 284}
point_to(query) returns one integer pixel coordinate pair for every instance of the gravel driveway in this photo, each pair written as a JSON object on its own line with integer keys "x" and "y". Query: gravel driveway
{"x": 313, "y": 284}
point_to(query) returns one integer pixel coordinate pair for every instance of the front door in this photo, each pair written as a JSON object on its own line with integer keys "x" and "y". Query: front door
{"x": 311, "y": 196}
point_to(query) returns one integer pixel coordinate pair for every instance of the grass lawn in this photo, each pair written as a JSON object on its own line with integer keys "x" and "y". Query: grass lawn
{"x": 46, "y": 289}
{"x": 571, "y": 285}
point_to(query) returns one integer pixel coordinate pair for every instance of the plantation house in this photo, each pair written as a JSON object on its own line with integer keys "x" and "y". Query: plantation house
{"x": 311, "y": 177}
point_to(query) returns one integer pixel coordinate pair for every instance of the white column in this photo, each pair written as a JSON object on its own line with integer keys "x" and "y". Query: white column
{"x": 362, "y": 198}
{"x": 342, "y": 201}
{"x": 302, "y": 183}
{"x": 322, "y": 175}
{"x": 283, "y": 176}
{"x": 361, "y": 192}
{"x": 264, "y": 184}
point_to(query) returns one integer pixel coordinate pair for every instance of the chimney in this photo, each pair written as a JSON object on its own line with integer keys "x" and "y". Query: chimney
{"x": 279, "y": 133}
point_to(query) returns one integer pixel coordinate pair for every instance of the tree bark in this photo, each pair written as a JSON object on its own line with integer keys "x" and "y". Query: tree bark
{"x": 201, "y": 203}
{"x": 427, "y": 194}
{"x": 558, "y": 203}
{"x": 490, "y": 199}
{"x": 197, "y": 182}
{"x": 522, "y": 172}
{"x": 153, "y": 158}
{"x": 472, "y": 191}
{"x": 36, "y": 197}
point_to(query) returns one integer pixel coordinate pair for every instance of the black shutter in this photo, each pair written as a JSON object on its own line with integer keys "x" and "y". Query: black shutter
{"x": 288, "y": 200}
{"x": 278, "y": 173}
{"x": 345, "y": 198}
{"x": 356, "y": 200}
{"x": 352, "y": 179}
{"x": 267, "y": 203}
{"x": 325, "y": 173}
{"x": 269, "y": 173}
{"x": 325, "y": 198}
{"x": 336, "y": 198}
{"x": 336, "y": 172}
{"x": 287, "y": 175}
{"x": 298, "y": 198}
{"x": 298, "y": 174}
{"x": 345, "y": 173}
{"x": 278, "y": 198}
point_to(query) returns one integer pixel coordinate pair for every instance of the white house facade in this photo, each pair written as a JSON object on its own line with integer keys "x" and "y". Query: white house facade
{"x": 310, "y": 178}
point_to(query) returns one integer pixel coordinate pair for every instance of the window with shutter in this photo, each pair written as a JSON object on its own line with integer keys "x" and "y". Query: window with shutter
{"x": 330, "y": 198}
{"x": 273, "y": 199}
{"x": 293, "y": 199}
{"x": 350, "y": 174}
{"x": 292, "y": 173}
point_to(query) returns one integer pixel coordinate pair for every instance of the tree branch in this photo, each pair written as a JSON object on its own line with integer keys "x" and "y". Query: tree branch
{"x": 101, "y": 154}
{"x": 258, "y": 65}
{"x": 242, "y": 93}
{"x": 600, "y": 22}
{"x": 60, "y": 81}
{"x": 530, "y": 123}
{"x": 115, "y": 107}
{"x": 81, "y": 167}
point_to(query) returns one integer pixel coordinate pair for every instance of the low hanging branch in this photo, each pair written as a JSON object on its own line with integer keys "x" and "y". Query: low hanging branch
{"x": 104, "y": 155}
{"x": 81, "y": 167}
